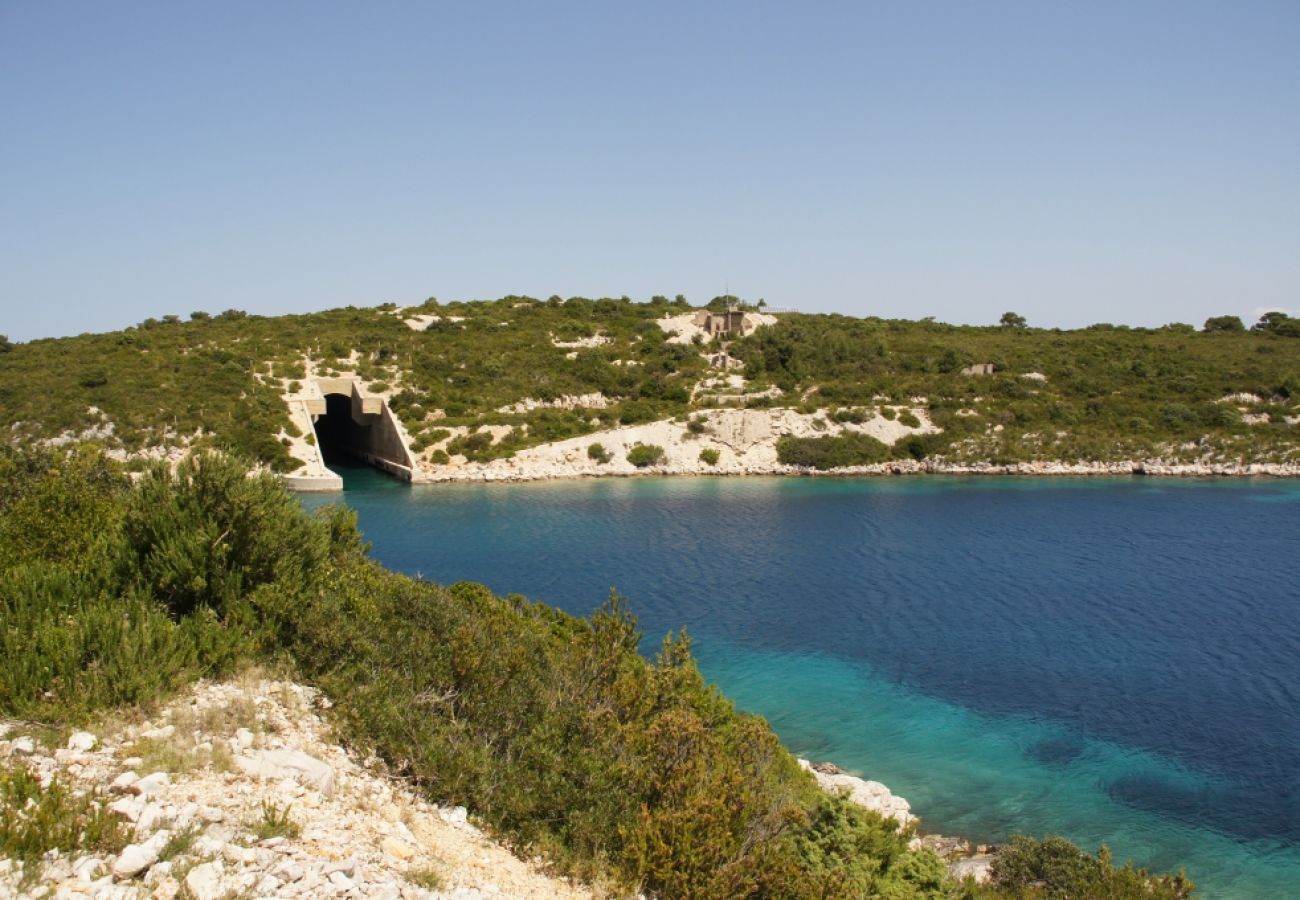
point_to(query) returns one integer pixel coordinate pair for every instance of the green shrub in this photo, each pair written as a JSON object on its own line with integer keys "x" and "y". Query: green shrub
{"x": 848, "y": 449}
{"x": 709, "y": 456}
{"x": 35, "y": 819}
{"x": 1224, "y": 324}
{"x": 476, "y": 446}
{"x": 1054, "y": 867}
{"x": 636, "y": 412}
{"x": 643, "y": 455}
{"x": 276, "y": 822}
{"x": 908, "y": 418}
{"x": 598, "y": 453}
{"x": 209, "y": 535}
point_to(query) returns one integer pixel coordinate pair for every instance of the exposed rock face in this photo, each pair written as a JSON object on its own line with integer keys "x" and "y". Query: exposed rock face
{"x": 288, "y": 764}
{"x": 744, "y": 439}
{"x": 237, "y": 751}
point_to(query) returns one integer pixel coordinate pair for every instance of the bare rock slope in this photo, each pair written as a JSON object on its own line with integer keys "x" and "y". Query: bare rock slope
{"x": 236, "y": 789}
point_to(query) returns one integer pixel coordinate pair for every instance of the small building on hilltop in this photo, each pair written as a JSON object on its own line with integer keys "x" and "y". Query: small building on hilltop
{"x": 732, "y": 323}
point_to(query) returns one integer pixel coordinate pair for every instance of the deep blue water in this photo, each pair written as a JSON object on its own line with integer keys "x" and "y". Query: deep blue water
{"x": 1116, "y": 660}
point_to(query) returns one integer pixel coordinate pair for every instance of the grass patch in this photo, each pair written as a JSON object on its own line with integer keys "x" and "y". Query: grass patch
{"x": 36, "y": 819}
{"x": 276, "y": 822}
{"x": 179, "y": 843}
{"x": 425, "y": 877}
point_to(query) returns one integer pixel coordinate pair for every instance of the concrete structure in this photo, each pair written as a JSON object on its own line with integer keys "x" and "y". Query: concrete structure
{"x": 343, "y": 418}
{"x": 978, "y": 369}
{"x": 733, "y": 322}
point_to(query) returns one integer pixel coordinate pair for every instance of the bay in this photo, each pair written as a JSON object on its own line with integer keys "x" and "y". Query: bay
{"x": 1115, "y": 660}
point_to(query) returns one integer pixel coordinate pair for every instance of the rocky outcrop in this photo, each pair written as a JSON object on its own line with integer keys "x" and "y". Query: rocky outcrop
{"x": 236, "y": 790}
{"x": 963, "y": 860}
{"x": 869, "y": 794}
{"x": 744, "y": 439}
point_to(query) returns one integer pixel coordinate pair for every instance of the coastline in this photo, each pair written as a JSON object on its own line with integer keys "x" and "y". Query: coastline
{"x": 962, "y": 858}
{"x": 492, "y": 472}
{"x": 746, "y": 441}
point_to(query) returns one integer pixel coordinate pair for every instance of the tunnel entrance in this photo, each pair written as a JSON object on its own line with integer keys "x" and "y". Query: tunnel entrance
{"x": 342, "y": 441}
{"x": 353, "y": 430}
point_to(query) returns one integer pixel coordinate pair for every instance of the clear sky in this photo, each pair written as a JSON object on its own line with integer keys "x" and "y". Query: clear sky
{"x": 1132, "y": 162}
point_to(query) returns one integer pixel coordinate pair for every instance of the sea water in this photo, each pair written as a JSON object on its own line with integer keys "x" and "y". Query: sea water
{"x": 1114, "y": 660}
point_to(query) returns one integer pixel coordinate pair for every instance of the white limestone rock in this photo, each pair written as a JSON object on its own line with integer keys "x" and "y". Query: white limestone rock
{"x": 128, "y": 808}
{"x": 82, "y": 741}
{"x": 124, "y": 781}
{"x": 869, "y": 794}
{"x": 204, "y": 880}
{"x": 151, "y": 784}
{"x": 279, "y": 764}
{"x": 138, "y": 857}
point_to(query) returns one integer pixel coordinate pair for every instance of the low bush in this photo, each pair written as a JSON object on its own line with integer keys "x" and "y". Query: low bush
{"x": 1054, "y": 867}
{"x": 831, "y": 452}
{"x": 35, "y": 820}
{"x": 709, "y": 456}
{"x": 645, "y": 455}
{"x": 598, "y": 453}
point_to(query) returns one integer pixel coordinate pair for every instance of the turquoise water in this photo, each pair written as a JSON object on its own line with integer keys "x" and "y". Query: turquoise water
{"x": 1115, "y": 660}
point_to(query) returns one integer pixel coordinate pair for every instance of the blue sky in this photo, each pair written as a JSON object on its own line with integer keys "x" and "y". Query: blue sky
{"x": 1132, "y": 162}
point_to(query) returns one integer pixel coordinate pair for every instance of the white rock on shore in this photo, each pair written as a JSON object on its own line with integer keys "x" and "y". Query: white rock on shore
{"x": 745, "y": 441}
{"x": 869, "y": 794}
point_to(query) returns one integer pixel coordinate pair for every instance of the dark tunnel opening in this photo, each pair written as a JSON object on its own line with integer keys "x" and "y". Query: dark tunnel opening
{"x": 342, "y": 441}
{"x": 346, "y": 443}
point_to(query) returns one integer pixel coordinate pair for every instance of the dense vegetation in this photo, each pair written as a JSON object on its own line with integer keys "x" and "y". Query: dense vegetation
{"x": 553, "y": 729}
{"x": 1101, "y": 393}
{"x": 1096, "y": 394}
{"x": 217, "y": 380}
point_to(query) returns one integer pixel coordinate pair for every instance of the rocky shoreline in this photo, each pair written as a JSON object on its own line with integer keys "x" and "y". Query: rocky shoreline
{"x": 489, "y": 473}
{"x": 963, "y": 859}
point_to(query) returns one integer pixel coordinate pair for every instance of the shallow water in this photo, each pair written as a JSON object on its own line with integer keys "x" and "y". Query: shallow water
{"x": 1114, "y": 660}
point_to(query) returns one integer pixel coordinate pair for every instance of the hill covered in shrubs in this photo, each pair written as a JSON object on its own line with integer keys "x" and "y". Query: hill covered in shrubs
{"x": 483, "y": 380}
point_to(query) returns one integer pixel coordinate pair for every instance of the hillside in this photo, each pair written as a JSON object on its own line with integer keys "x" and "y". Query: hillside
{"x": 476, "y": 388}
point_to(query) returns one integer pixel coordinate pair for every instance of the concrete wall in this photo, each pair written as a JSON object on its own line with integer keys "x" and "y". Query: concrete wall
{"x": 369, "y": 431}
